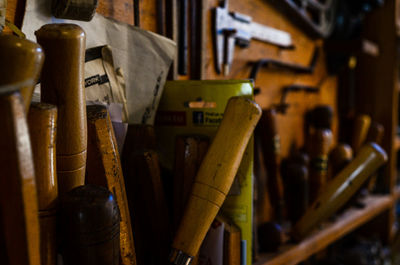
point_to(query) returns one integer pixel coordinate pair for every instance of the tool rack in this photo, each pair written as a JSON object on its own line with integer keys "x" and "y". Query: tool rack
{"x": 377, "y": 95}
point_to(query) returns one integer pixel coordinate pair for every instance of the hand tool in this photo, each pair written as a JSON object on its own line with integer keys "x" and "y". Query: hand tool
{"x": 215, "y": 177}
{"x": 316, "y": 18}
{"x": 270, "y": 140}
{"x": 283, "y": 106}
{"x": 360, "y": 130}
{"x": 88, "y": 226}
{"x": 62, "y": 84}
{"x": 279, "y": 65}
{"x": 241, "y": 29}
{"x": 147, "y": 207}
{"x": 340, "y": 157}
{"x": 318, "y": 146}
{"x": 18, "y": 198}
{"x": 189, "y": 153}
{"x": 139, "y": 137}
{"x": 375, "y": 134}
{"x": 369, "y": 158}
{"x": 183, "y": 38}
{"x": 232, "y": 237}
{"x": 42, "y": 121}
{"x": 294, "y": 172}
{"x": 103, "y": 168}
{"x": 321, "y": 117}
{"x": 14, "y": 52}
{"x": 83, "y": 10}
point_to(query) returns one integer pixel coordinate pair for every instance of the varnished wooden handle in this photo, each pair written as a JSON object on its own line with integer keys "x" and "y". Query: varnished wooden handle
{"x": 42, "y": 120}
{"x": 215, "y": 176}
{"x": 370, "y": 157}
{"x": 62, "y": 85}
{"x": 318, "y": 147}
{"x": 269, "y": 136}
{"x": 18, "y": 198}
{"x": 339, "y": 157}
{"x": 104, "y": 169}
{"x": 360, "y": 131}
{"x": 20, "y": 60}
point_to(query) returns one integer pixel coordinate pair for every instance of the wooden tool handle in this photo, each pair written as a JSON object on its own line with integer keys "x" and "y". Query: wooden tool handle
{"x": 62, "y": 85}
{"x": 42, "y": 120}
{"x": 20, "y": 60}
{"x": 376, "y": 133}
{"x": 318, "y": 146}
{"x": 370, "y": 157}
{"x": 104, "y": 169}
{"x": 268, "y": 133}
{"x": 215, "y": 176}
{"x": 360, "y": 131}
{"x": 339, "y": 157}
{"x": 18, "y": 199}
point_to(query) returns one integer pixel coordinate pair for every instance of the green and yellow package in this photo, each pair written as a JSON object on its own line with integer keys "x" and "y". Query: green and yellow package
{"x": 197, "y": 108}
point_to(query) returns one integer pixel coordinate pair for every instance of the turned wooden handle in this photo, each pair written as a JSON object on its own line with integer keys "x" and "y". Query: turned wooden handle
{"x": 376, "y": 133}
{"x": 318, "y": 147}
{"x": 62, "y": 85}
{"x": 104, "y": 169}
{"x": 270, "y": 140}
{"x": 341, "y": 188}
{"x": 339, "y": 157}
{"x": 18, "y": 199}
{"x": 215, "y": 176}
{"x": 42, "y": 120}
{"x": 360, "y": 131}
{"x": 20, "y": 60}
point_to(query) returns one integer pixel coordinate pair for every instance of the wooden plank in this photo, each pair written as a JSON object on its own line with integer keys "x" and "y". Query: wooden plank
{"x": 345, "y": 223}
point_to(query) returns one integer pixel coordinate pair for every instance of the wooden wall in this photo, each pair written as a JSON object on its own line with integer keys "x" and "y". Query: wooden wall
{"x": 270, "y": 82}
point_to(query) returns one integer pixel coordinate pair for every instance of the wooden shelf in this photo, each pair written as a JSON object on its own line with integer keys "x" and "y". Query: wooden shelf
{"x": 329, "y": 233}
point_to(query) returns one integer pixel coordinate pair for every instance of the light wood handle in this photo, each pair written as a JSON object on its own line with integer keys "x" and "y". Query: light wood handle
{"x": 370, "y": 157}
{"x": 62, "y": 85}
{"x": 215, "y": 176}
{"x": 20, "y": 60}
{"x": 42, "y": 120}
{"x": 360, "y": 131}
{"x": 18, "y": 198}
{"x": 104, "y": 169}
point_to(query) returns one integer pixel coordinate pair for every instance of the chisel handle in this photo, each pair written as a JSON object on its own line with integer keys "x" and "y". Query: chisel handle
{"x": 360, "y": 131}
{"x": 318, "y": 147}
{"x": 215, "y": 177}
{"x": 62, "y": 84}
{"x": 20, "y": 60}
{"x": 18, "y": 199}
{"x": 369, "y": 158}
{"x": 339, "y": 157}
{"x": 42, "y": 120}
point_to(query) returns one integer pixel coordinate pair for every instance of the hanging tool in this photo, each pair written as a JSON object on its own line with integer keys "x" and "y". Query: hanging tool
{"x": 42, "y": 120}
{"x": 103, "y": 168}
{"x": 342, "y": 187}
{"x": 215, "y": 177}
{"x": 316, "y": 17}
{"x": 82, "y": 10}
{"x": 279, "y": 65}
{"x": 283, "y": 106}
{"x": 233, "y": 27}
{"x": 62, "y": 84}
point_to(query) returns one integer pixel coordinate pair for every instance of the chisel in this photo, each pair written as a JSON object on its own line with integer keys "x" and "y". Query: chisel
{"x": 18, "y": 198}
{"x": 340, "y": 157}
{"x": 360, "y": 131}
{"x": 103, "y": 168}
{"x": 20, "y": 60}
{"x": 42, "y": 121}
{"x": 62, "y": 84}
{"x": 369, "y": 158}
{"x": 215, "y": 177}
